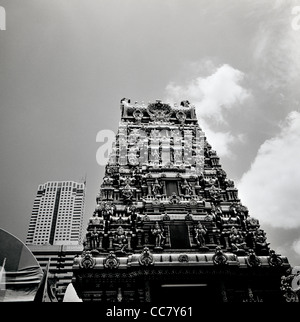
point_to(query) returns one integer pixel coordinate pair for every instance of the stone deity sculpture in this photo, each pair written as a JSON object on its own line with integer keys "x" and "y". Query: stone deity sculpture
{"x": 157, "y": 231}
{"x": 156, "y": 188}
{"x": 200, "y": 233}
{"x": 120, "y": 239}
{"x": 237, "y": 239}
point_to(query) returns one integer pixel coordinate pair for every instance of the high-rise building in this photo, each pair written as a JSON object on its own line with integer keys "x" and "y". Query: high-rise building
{"x": 169, "y": 225}
{"x": 57, "y": 214}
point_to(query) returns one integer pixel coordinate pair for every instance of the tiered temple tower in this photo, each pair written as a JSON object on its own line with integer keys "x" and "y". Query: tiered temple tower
{"x": 168, "y": 224}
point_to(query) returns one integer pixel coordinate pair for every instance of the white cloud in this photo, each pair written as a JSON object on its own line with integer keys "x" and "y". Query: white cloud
{"x": 212, "y": 95}
{"x": 296, "y": 246}
{"x": 277, "y": 47}
{"x": 271, "y": 187}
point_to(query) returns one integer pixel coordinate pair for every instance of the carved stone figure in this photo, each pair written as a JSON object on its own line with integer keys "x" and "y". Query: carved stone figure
{"x": 156, "y": 188}
{"x": 177, "y": 156}
{"x": 214, "y": 193}
{"x": 94, "y": 238}
{"x": 120, "y": 239}
{"x": 127, "y": 192}
{"x": 133, "y": 217}
{"x": 94, "y": 220}
{"x": 186, "y": 188}
{"x": 274, "y": 259}
{"x": 200, "y": 233}
{"x": 260, "y": 240}
{"x": 155, "y": 155}
{"x": 174, "y": 199}
{"x": 158, "y": 232}
{"x": 107, "y": 212}
{"x": 237, "y": 240}
{"x": 181, "y": 116}
{"x": 252, "y": 260}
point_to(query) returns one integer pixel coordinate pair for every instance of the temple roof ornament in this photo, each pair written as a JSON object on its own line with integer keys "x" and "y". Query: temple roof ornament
{"x": 87, "y": 261}
{"x": 111, "y": 261}
{"x": 146, "y": 258}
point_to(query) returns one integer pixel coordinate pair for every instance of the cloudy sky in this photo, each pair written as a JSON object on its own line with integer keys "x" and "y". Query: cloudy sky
{"x": 65, "y": 65}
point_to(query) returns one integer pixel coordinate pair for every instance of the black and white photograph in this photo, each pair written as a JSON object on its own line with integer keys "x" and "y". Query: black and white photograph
{"x": 150, "y": 154}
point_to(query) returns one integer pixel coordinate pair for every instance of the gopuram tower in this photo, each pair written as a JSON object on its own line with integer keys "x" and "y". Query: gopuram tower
{"x": 168, "y": 223}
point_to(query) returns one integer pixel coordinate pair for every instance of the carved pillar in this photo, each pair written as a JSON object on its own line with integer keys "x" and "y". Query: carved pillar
{"x": 211, "y": 238}
{"x": 110, "y": 242}
{"x": 146, "y": 237}
{"x": 164, "y": 187}
{"x": 100, "y": 241}
{"x": 226, "y": 242}
{"x": 139, "y": 241}
{"x": 149, "y": 188}
{"x": 129, "y": 242}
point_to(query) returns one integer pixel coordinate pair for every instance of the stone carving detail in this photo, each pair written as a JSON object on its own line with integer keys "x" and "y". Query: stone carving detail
{"x": 237, "y": 239}
{"x": 138, "y": 115}
{"x": 260, "y": 240}
{"x": 252, "y": 223}
{"x": 111, "y": 261}
{"x": 200, "y": 232}
{"x": 177, "y": 154}
{"x": 185, "y": 103}
{"x": 155, "y": 202}
{"x": 181, "y": 116}
{"x": 146, "y": 218}
{"x": 214, "y": 193}
{"x": 219, "y": 257}
{"x": 120, "y": 239}
{"x": 87, "y": 260}
{"x": 146, "y": 258}
{"x": 156, "y": 188}
{"x": 158, "y": 233}
{"x": 188, "y": 217}
{"x": 183, "y": 258}
{"x": 159, "y": 112}
{"x": 127, "y": 192}
{"x": 174, "y": 199}
{"x": 94, "y": 238}
{"x": 252, "y": 260}
{"x": 132, "y": 156}
{"x": 274, "y": 259}
{"x": 166, "y": 217}
{"x": 187, "y": 189}
{"x": 193, "y": 202}
{"x": 133, "y": 217}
